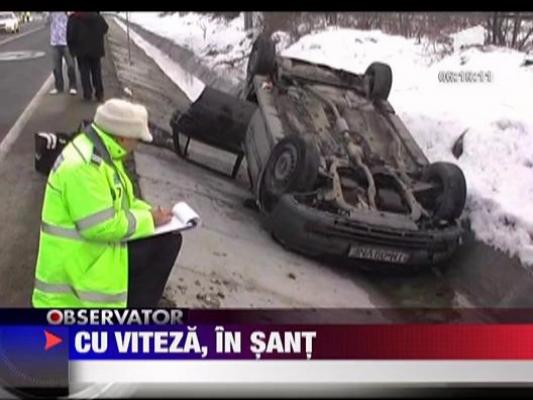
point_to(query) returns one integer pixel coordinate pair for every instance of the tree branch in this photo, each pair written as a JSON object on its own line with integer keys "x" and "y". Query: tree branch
{"x": 524, "y": 40}
{"x": 231, "y": 62}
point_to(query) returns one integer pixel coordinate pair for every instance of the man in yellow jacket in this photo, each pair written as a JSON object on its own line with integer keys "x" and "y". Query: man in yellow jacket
{"x": 95, "y": 248}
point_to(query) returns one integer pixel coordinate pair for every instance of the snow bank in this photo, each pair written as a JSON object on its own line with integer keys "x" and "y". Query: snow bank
{"x": 498, "y": 148}
{"x": 188, "y": 83}
{"x": 223, "y": 45}
{"x": 474, "y": 36}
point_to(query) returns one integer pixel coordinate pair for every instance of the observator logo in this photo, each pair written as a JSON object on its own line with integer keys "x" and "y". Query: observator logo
{"x": 54, "y": 317}
{"x": 115, "y": 317}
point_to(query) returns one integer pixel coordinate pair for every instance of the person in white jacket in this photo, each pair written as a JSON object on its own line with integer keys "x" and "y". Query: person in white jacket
{"x": 58, "y": 40}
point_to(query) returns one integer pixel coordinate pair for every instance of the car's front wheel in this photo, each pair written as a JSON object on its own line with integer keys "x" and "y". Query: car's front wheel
{"x": 291, "y": 168}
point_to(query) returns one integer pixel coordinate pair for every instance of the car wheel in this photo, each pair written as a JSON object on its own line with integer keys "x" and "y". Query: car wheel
{"x": 450, "y": 200}
{"x": 378, "y": 78}
{"x": 262, "y": 59}
{"x": 175, "y": 133}
{"x": 291, "y": 167}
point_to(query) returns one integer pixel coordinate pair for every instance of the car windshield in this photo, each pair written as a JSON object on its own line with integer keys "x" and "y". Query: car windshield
{"x": 6, "y": 15}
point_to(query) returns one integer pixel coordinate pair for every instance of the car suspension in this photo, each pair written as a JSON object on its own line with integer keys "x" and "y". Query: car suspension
{"x": 335, "y": 195}
{"x": 355, "y": 153}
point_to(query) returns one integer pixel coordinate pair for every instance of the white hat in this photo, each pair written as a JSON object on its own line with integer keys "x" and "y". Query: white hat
{"x": 122, "y": 118}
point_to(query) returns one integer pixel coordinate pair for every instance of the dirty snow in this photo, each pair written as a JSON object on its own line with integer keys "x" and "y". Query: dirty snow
{"x": 189, "y": 84}
{"x": 498, "y": 147}
{"x": 223, "y": 45}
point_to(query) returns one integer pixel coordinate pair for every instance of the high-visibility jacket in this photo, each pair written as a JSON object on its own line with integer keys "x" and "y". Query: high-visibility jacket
{"x": 89, "y": 212}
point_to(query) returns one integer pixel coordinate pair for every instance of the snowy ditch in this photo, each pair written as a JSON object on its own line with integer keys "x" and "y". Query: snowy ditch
{"x": 497, "y": 154}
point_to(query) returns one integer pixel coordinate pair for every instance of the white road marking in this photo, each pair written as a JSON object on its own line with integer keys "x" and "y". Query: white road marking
{"x": 20, "y": 35}
{"x": 22, "y": 120}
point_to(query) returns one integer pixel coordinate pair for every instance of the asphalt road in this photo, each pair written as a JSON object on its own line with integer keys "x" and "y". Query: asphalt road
{"x": 21, "y": 79}
{"x": 21, "y": 187}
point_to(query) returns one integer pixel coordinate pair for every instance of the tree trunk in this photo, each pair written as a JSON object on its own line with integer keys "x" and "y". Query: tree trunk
{"x": 248, "y": 20}
{"x": 402, "y": 24}
{"x": 501, "y": 35}
{"x": 516, "y": 29}
{"x": 488, "y": 23}
{"x": 495, "y": 28}
{"x": 524, "y": 40}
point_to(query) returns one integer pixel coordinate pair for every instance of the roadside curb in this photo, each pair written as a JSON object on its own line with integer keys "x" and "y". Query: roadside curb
{"x": 187, "y": 59}
{"x": 147, "y": 83}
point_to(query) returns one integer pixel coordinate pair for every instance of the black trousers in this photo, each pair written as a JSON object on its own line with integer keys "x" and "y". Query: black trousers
{"x": 150, "y": 261}
{"x": 91, "y": 70}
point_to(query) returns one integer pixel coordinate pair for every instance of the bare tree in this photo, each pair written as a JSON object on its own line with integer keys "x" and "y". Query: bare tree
{"x": 511, "y": 29}
{"x": 203, "y": 25}
{"x": 248, "y": 20}
{"x": 522, "y": 43}
{"x": 332, "y": 18}
{"x": 508, "y": 29}
{"x": 516, "y": 29}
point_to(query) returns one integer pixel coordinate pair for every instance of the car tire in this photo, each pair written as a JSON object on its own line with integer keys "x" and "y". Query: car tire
{"x": 262, "y": 59}
{"x": 292, "y": 167}
{"x": 175, "y": 133}
{"x": 379, "y": 80}
{"x": 450, "y": 201}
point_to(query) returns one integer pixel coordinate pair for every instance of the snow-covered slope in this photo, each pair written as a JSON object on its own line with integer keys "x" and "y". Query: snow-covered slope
{"x": 223, "y": 45}
{"x": 498, "y": 147}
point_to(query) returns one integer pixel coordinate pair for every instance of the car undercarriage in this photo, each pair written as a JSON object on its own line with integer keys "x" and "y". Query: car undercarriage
{"x": 333, "y": 168}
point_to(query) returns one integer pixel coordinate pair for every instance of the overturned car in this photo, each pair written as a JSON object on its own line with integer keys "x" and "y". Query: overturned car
{"x": 332, "y": 167}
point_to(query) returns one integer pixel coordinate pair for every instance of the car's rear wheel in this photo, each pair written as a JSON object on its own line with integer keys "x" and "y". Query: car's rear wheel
{"x": 291, "y": 168}
{"x": 450, "y": 199}
{"x": 379, "y": 80}
{"x": 262, "y": 59}
{"x": 176, "y": 133}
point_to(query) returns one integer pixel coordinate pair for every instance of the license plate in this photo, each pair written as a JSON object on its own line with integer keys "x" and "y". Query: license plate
{"x": 378, "y": 254}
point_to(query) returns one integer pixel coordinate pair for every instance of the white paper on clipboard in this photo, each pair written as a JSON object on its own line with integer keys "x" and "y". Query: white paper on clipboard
{"x": 183, "y": 218}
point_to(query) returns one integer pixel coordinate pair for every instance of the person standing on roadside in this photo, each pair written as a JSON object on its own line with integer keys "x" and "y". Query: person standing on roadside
{"x": 60, "y": 51}
{"x": 85, "y": 39}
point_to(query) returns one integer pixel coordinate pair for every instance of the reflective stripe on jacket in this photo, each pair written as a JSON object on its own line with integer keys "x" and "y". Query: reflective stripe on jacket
{"x": 89, "y": 211}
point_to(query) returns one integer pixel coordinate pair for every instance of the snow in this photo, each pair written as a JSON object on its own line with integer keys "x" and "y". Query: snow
{"x": 188, "y": 83}
{"x": 529, "y": 57}
{"x": 468, "y": 37}
{"x": 498, "y": 147}
{"x": 223, "y": 45}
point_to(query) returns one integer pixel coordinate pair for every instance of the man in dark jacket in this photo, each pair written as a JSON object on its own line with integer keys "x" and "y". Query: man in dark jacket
{"x": 85, "y": 39}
